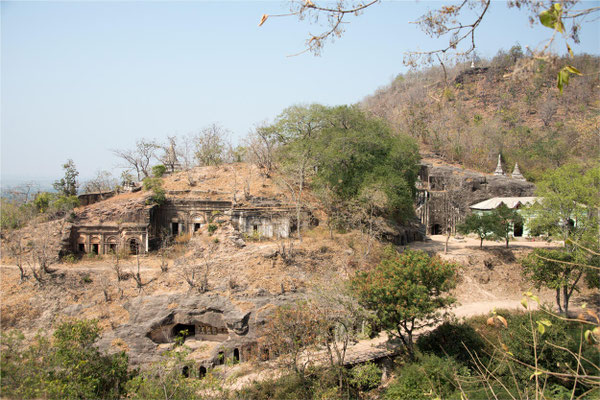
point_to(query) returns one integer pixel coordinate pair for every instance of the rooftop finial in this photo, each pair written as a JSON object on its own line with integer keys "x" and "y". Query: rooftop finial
{"x": 517, "y": 173}
{"x": 499, "y": 170}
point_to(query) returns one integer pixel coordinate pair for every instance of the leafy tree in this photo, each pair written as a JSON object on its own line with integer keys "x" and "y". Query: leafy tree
{"x": 480, "y": 224}
{"x": 298, "y": 127}
{"x": 503, "y": 220}
{"x": 570, "y": 204}
{"x": 210, "y": 145}
{"x": 559, "y": 270}
{"x": 69, "y": 366}
{"x": 68, "y": 185}
{"x": 407, "y": 291}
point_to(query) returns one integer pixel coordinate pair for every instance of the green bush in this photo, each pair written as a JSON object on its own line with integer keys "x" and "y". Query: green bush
{"x": 429, "y": 378}
{"x": 452, "y": 339}
{"x": 159, "y": 170}
{"x": 42, "y": 201}
{"x": 70, "y": 366}
{"x": 212, "y": 228}
{"x": 158, "y": 196}
{"x": 288, "y": 387}
{"x": 518, "y": 339}
{"x": 365, "y": 376}
{"x": 69, "y": 258}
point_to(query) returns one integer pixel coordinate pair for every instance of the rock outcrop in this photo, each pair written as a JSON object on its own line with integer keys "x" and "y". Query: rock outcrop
{"x": 215, "y": 325}
{"x": 446, "y": 192}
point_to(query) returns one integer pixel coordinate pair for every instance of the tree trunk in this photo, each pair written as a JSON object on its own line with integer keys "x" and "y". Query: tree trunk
{"x": 507, "y": 241}
{"x": 566, "y": 300}
{"x": 481, "y": 243}
{"x": 558, "y": 300}
{"x": 447, "y": 240}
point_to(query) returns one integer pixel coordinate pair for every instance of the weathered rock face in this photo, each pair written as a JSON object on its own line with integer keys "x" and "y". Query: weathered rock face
{"x": 446, "y": 193}
{"x": 213, "y": 319}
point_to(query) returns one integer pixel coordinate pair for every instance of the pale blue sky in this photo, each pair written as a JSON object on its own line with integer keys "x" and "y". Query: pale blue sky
{"x": 81, "y": 78}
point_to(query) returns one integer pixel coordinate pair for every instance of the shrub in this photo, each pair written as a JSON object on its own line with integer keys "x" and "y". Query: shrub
{"x": 155, "y": 185}
{"x": 212, "y": 228}
{"x": 426, "y": 379}
{"x": 159, "y": 170}
{"x": 365, "y": 376}
{"x": 69, "y": 258}
{"x": 452, "y": 339}
{"x": 69, "y": 366}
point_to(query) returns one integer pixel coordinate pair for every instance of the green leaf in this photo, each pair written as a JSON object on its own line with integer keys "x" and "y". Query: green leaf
{"x": 541, "y": 328}
{"x": 547, "y": 19}
{"x": 573, "y": 70}
{"x": 570, "y": 51}
{"x": 524, "y": 302}
{"x": 551, "y": 18}
{"x": 545, "y": 322}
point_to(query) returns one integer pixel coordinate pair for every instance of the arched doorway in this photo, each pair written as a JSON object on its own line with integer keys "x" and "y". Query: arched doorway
{"x": 221, "y": 358}
{"x": 236, "y": 356}
{"x": 202, "y": 372}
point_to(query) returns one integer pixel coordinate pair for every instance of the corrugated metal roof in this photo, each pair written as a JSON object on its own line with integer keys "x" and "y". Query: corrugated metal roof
{"x": 510, "y": 202}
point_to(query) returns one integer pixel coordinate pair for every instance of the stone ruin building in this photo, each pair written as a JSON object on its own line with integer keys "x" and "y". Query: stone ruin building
{"x": 132, "y": 225}
{"x": 445, "y": 193}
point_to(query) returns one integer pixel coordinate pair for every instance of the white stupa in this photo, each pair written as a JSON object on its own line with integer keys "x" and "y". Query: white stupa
{"x": 517, "y": 173}
{"x": 499, "y": 170}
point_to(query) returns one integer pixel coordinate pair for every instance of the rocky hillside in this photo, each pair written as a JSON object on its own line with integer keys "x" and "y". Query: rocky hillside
{"x": 507, "y": 105}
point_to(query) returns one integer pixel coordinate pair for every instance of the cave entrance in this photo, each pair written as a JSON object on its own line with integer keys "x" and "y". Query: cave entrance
{"x": 202, "y": 372}
{"x": 436, "y": 229}
{"x": 95, "y": 248}
{"x": 196, "y": 227}
{"x": 81, "y": 247}
{"x": 175, "y": 228}
{"x": 221, "y": 358}
{"x": 184, "y": 330}
{"x": 236, "y": 355}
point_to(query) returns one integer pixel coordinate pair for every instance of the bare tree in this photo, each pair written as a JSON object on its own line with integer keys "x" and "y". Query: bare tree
{"x": 15, "y": 249}
{"x": 210, "y": 145}
{"x": 194, "y": 270}
{"x": 137, "y": 277}
{"x": 169, "y": 157}
{"x": 262, "y": 142}
{"x": 117, "y": 267}
{"x": 23, "y": 193}
{"x": 101, "y": 183}
{"x": 139, "y": 159}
